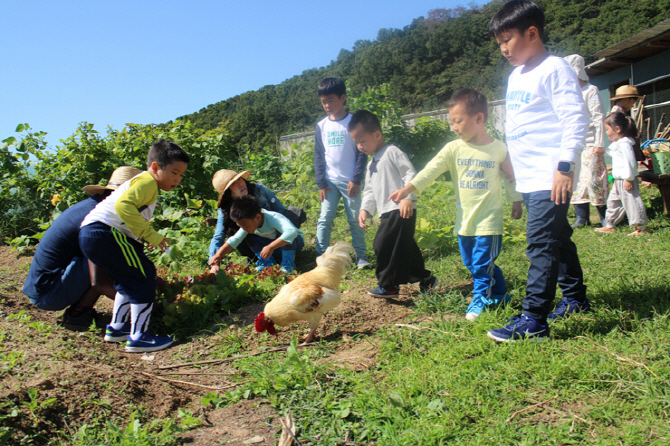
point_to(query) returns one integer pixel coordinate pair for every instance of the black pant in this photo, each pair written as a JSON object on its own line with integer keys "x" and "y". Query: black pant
{"x": 552, "y": 254}
{"x": 399, "y": 259}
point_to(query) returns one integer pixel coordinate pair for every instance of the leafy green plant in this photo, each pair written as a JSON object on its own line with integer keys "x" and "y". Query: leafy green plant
{"x": 34, "y": 406}
{"x": 22, "y": 316}
{"x": 160, "y": 432}
{"x": 189, "y": 304}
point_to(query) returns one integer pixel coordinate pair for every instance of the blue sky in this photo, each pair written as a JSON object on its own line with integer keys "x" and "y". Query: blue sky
{"x": 147, "y": 61}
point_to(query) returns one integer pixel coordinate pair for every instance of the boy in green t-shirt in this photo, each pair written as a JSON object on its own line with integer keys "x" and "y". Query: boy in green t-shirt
{"x": 478, "y": 164}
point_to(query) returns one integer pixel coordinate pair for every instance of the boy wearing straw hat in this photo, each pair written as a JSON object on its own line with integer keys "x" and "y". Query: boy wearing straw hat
{"x": 60, "y": 276}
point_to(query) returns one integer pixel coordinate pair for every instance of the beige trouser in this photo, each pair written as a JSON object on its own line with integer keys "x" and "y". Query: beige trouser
{"x": 623, "y": 202}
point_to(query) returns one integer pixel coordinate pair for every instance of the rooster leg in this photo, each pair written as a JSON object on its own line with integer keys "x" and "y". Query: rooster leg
{"x": 309, "y": 337}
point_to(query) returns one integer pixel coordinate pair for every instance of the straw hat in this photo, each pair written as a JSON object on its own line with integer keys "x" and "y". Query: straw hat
{"x": 625, "y": 91}
{"x": 577, "y": 63}
{"x": 223, "y": 179}
{"x": 119, "y": 176}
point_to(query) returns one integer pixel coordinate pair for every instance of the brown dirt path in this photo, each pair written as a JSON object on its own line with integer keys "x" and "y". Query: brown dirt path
{"x": 90, "y": 380}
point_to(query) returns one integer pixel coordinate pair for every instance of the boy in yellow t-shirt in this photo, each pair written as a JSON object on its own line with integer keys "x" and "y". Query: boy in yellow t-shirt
{"x": 111, "y": 237}
{"x": 478, "y": 164}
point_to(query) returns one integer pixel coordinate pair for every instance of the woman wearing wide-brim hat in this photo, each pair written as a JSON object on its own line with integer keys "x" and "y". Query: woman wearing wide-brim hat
{"x": 60, "y": 276}
{"x": 230, "y": 185}
{"x": 625, "y": 98}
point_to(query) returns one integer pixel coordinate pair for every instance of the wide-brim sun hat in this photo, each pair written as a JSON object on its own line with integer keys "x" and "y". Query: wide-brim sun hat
{"x": 225, "y": 178}
{"x": 625, "y": 91}
{"x": 577, "y": 63}
{"x": 119, "y": 176}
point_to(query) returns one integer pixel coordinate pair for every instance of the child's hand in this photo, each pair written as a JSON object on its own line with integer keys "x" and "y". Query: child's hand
{"x": 398, "y": 196}
{"x": 406, "y": 208}
{"x": 163, "y": 245}
{"x": 517, "y": 210}
{"x": 215, "y": 260}
{"x": 267, "y": 251}
{"x": 628, "y": 185}
{"x": 598, "y": 151}
{"x": 401, "y": 194}
{"x": 323, "y": 192}
{"x": 362, "y": 217}
{"x": 562, "y": 187}
{"x": 353, "y": 189}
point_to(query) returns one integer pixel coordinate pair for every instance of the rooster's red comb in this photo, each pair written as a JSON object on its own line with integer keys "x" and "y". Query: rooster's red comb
{"x": 260, "y": 323}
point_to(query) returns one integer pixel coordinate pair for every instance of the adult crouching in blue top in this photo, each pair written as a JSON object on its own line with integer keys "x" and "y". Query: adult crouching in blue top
{"x": 231, "y": 185}
{"x": 60, "y": 277}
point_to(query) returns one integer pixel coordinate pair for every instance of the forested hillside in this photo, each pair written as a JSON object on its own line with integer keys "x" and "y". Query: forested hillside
{"x": 425, "y": 62}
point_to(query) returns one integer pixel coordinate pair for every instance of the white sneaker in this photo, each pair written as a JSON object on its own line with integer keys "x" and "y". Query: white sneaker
{"x": 362, "y": 263}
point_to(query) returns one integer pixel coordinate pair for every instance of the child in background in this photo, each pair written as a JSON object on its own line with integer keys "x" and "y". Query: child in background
{"x": 339, "y": 169}
{"x": 624, "y": 198}
{"x": 399, "y": 259}
{"x": 111, "y": 236}
{"x": 546, "y": 126}
{"x": 475, "y": 162}
{"x": 273, "y": 230}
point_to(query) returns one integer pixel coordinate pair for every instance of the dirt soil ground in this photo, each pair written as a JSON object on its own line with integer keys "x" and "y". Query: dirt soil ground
{"x": 90, "y": 380}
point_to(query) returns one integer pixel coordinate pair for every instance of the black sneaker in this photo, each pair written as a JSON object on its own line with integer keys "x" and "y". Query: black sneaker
{"x": 81, "y": 322}
{"x": 428, "y": 285}
{"x": 383, "y": 292}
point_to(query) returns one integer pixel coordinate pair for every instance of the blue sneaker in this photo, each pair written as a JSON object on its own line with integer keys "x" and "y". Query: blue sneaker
{"x": 383, "y": 292}
{"x": 476, "y": 307}
{"x": 262, "y": 263}
{"x": 566, "y": 307}
{"x": 288, "y": 262}
{"x": 520, "y": 327}
{"x": 120, "y": 335}
{"x": 501, "y": 299}
{"x": 428, "y": 284}
{"x": 148, "y": 343}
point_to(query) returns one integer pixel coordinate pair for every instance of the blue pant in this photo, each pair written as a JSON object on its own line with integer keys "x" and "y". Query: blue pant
{"x": 124, "y": 260}
{"x": 552, "y": 254}
{"x": 324, "y": 226}
{"x": 74, "y": 283}
{"x": 479, "y": 254}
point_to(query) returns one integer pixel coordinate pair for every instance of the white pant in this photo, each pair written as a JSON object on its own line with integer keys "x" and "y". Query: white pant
{"x": 623, "y": 202}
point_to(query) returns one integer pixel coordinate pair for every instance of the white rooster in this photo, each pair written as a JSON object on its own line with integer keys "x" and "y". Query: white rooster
{"x": 310, "y": 295}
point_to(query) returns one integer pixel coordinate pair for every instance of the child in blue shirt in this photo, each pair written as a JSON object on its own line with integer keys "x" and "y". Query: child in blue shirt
{"x": 273, "y": 230}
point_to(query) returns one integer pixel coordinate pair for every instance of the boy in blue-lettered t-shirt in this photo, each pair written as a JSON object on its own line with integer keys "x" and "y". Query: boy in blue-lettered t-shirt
{"x": 339, "y": 169}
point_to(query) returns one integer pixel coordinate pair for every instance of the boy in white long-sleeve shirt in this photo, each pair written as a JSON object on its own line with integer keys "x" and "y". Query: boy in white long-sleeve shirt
{"x": 399, "y": 259}
{"x": 546, "y": 125}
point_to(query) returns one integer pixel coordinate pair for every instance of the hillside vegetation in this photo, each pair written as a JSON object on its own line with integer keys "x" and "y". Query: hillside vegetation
{"x": 424, "y": 63}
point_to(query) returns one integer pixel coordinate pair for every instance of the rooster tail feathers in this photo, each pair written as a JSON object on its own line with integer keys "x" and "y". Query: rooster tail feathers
{"x": 338, "y": 254}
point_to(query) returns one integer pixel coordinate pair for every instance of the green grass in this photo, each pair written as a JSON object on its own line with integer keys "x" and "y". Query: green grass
{"x": 604, "y": 377}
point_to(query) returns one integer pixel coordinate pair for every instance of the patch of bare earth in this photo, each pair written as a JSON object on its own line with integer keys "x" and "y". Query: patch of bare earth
{"x": 91, "y": 380}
